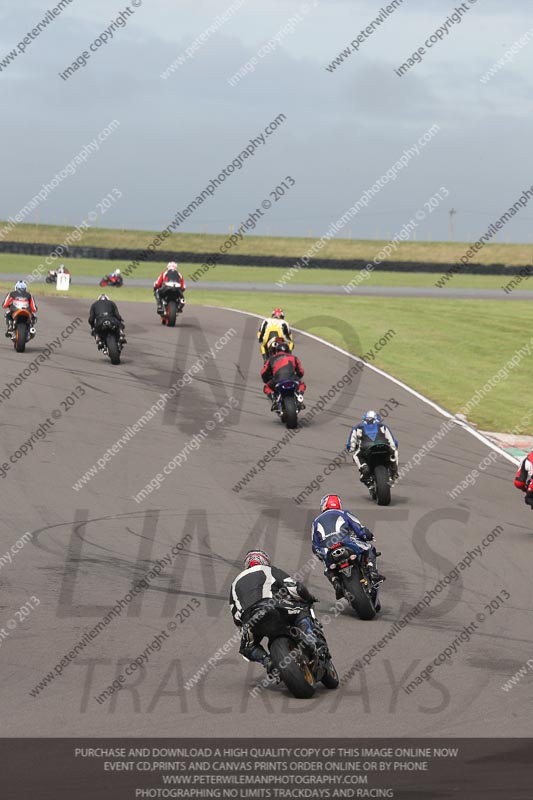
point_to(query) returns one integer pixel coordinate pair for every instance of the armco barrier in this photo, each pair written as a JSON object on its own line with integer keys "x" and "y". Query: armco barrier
{"x": 284, "y": 262}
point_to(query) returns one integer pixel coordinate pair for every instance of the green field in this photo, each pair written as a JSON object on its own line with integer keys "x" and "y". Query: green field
{"x": 446, "y": 349}
{"x": 326, "y": 277}
{"x": 437, "y": 252}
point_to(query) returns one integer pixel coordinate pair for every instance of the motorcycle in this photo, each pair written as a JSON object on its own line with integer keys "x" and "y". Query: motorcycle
{"x": 349, "y": 564}
{"x": 263, "y": 346}
{"x": 379, "y": 480}
{"x": 21, "y": 330}
{"x": 111, "y": 340}
{"x": 289, "y": 402}
{"x": 112, "y": 280}
{"x": 297, "y": 662}
{"x": 172, "y": 302}
{"x": 52, "y": 275}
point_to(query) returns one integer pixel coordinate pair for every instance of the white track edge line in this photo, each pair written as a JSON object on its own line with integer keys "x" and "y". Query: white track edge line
{"x": 391, "y": 378}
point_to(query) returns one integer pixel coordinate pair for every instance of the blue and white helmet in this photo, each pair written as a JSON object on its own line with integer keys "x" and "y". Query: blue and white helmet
{"x": 20, "y": 286}
{"x": 371, "y": 418}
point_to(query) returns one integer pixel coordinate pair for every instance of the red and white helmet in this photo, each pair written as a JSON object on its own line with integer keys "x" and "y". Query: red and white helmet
{"x": 278, "y": 313}
{"x": 172, "y": 265}
{"x": 330, "y": 501}
{"x": 278, "y": 346}
{"x": 253, "y": 558}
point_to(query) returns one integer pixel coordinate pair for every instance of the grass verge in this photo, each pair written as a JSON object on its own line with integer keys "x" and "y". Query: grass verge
{"x": 263, "y": 275}
{"x": 295, "y": 247}
{"x": 446, "y": 349}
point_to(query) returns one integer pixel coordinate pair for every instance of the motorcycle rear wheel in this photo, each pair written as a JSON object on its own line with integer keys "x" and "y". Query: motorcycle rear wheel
{"x": 357, "y": 597}
{"x": 298, "y": 679}
{"x": 171, "y": 313}
{"x": 290, "y": 415}
{"x": 113, "y": 348}
{"x": 381, "y": 476}
{"x": 20, "y": 337}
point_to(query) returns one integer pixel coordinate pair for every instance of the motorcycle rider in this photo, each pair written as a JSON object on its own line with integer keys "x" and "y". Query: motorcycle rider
{"x": 19, "y": 292}
{"x": 348, "y": 529}
{"x": 253, "y": 597}
{"x": 274, "y": 328}
{"x": 369, "y": 431}
{"x": 523, "y": 479}
{"x": 100, "y": 310}
{"x": 170, "y": 275}
{"x": 281, "y": 365}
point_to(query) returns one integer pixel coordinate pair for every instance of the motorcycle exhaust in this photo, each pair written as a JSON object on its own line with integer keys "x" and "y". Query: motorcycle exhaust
{"x": 32, "y": 331}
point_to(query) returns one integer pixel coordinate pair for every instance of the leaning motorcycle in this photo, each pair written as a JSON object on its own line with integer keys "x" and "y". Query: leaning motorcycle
{"x": 348, "y": 562}
{"x": 288, "y": 402}
{"x": 112, "y": 280}
{"x": 298, "y": 663}
{"x": 379, "y": 480}
{"x": 21, "y": 330}
{"x": 172, "y": 302}
{"x": 110, "y": 340}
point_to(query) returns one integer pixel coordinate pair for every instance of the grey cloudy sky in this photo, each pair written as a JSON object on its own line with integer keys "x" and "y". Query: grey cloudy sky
{"x": 343, "y": 129}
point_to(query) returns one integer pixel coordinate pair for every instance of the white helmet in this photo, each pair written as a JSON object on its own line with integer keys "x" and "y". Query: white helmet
{"x": 172, "y": 265}
{"x": 117, "y": 272}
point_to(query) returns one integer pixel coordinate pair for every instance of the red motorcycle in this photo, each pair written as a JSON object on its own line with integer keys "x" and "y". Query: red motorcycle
{"x": 21, "y": 327}
{"x": 112, "y": 280}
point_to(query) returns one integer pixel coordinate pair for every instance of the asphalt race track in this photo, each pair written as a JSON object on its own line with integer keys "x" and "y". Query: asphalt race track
{"x": 90, "y": 546}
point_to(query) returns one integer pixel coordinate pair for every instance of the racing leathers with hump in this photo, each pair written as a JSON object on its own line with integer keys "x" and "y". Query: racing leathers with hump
{"x": 253, "y": 595}
{"x": 170, "y": 275}
{"x": 334, "y": 525}
{"x": 524, "y": 479}
{"x": 281, "y": 365}
{"x": 100, "y": 310}
{"x": 20, "y": 291}
{"x": 371, "y": 430}
{"x": 274, "y": 328}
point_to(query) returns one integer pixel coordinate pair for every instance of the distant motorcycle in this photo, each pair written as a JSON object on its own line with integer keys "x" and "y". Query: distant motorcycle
{"x": 111, "y": 339}
{"x": 52, "y": 275}
{"x": 379, "y": 480}
{"x": 289, "y": 402}
{"x": 349, "y": 563}
{"x": 297, "y": 662}
{"x": 22, "y": 329}
{"x": 112, "y": 280}
{"x": 172, "y": 302}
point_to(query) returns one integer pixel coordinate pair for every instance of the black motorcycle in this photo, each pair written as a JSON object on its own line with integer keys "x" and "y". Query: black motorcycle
{"x": 299, "y": 663}
{"x": 111, "y": 339}
{"x": 52, "y": 275}
{"x": 288, "y": 402}
{"x": 349, "y": 564}
{"x": 379, "y": 479}
{"x": 172, "y": 302}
